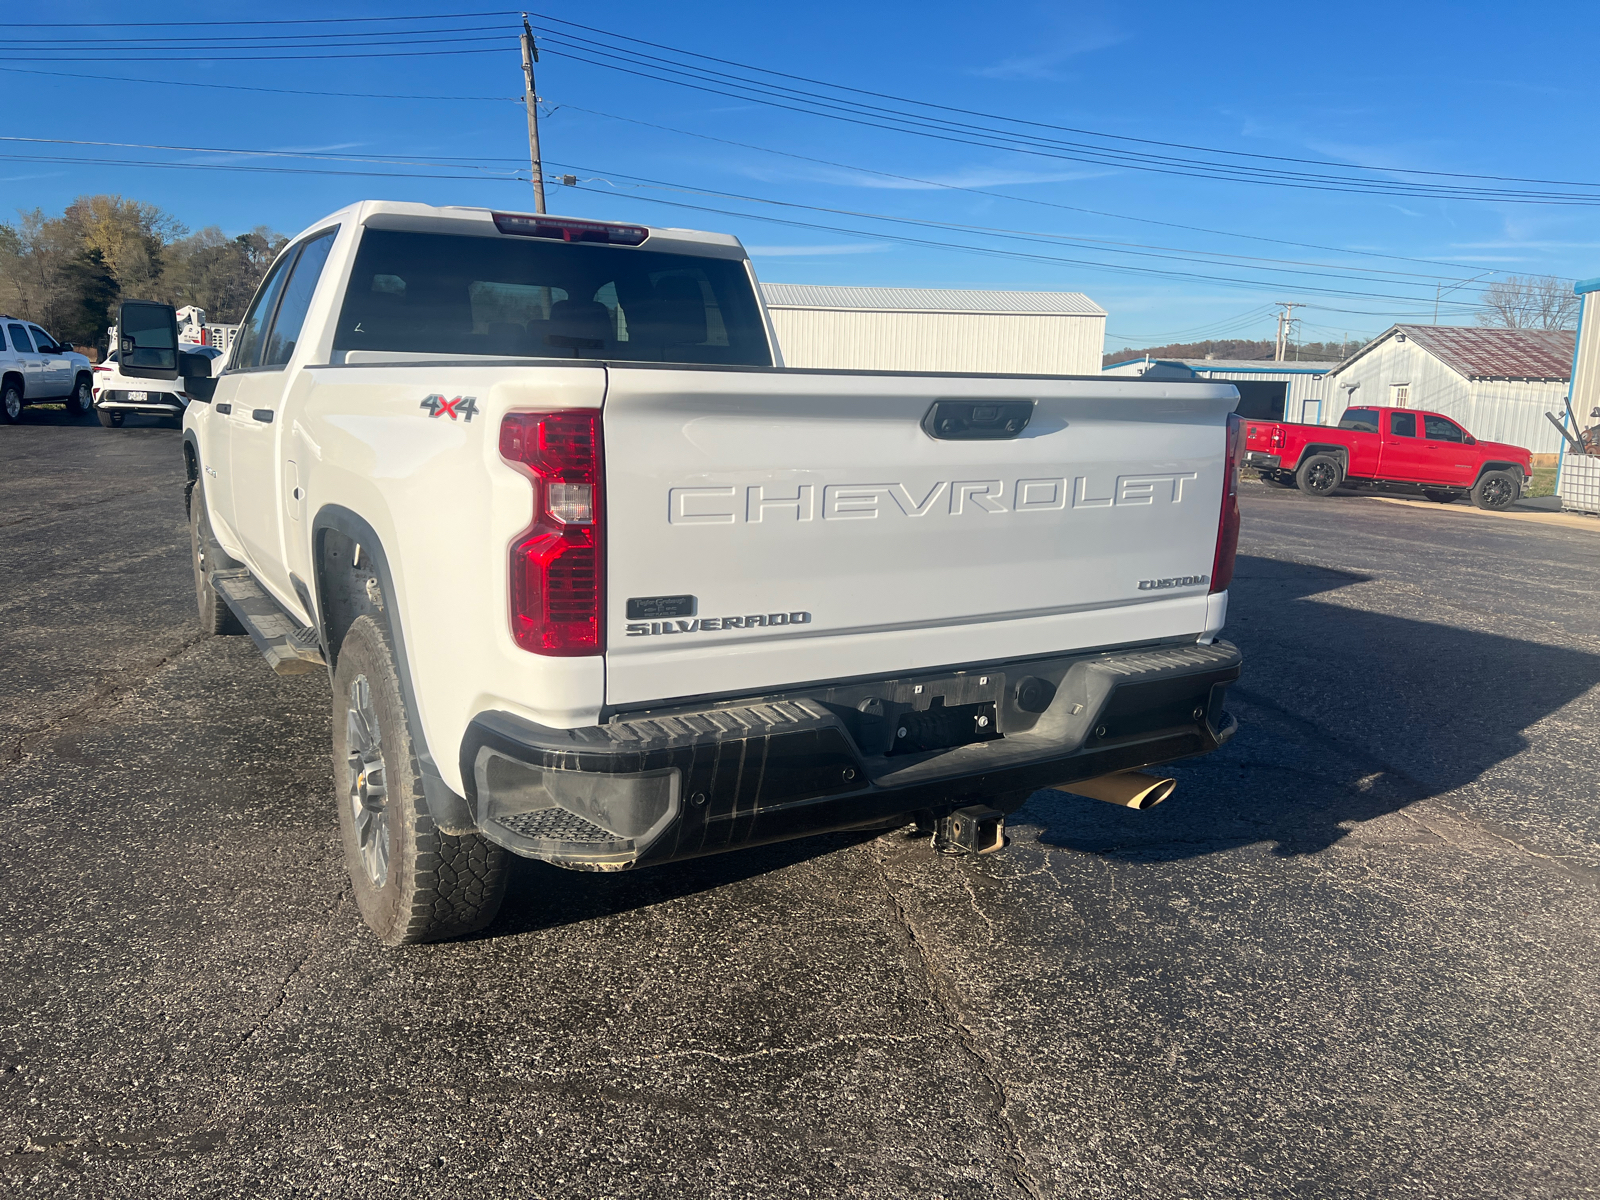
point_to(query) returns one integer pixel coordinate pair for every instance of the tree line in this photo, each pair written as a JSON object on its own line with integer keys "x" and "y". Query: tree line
{"x": 69, "y": 272}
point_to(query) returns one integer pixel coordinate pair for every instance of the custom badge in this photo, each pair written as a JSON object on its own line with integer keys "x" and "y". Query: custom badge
{"x": 464, "y": 406}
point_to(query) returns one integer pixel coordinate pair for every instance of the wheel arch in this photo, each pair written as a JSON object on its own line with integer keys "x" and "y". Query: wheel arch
{"x": 1332, "y": 449}
{"x": 191, "y": 468}
{"x": 1513, "y": 467}
{"x": 339, "y": 585}
{"x": 16, "y": 378}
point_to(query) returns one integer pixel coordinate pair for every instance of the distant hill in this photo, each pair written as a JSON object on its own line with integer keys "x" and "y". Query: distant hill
{"x": 1236, "y": 348}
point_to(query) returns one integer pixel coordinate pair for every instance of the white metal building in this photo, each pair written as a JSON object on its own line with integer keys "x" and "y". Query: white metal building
{"x": 936, "y": 329}
{"x": 1498, "y": 383}
{"x": 1268, "y": 391}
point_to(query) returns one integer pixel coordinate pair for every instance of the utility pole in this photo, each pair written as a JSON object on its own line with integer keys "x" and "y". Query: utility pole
{"x": 530, "y": 55}
{"x": 1285, "y": 324}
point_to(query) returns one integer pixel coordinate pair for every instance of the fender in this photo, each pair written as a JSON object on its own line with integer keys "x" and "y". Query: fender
{"x": 1342, "y": 453}
{"x": 449, "y": 811}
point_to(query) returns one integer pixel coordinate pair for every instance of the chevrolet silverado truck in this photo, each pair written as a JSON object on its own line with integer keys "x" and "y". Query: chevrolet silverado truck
{"x": 598, "y": 581}
{"x": 1389, "y": 449}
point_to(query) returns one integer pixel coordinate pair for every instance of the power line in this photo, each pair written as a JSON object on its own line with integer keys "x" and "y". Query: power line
{"x": 498, "y": 12}
{"x": 1018, "y": 199}
{"x": 1047, "y": 125}
{"x": 240, "y": 87}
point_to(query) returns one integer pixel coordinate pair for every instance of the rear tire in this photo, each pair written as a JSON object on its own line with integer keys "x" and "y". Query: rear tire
{"x": 412, "y": 882}
{"x": 11, "y": 404}
{"x": 1319, "y": 476}
{"x": 1496, "y": 490}
{"x": 1439, "y": 497}
{"x": 111, "y": 420}
{"x": 81, "y": 402}
{"x": 216, "y": 618}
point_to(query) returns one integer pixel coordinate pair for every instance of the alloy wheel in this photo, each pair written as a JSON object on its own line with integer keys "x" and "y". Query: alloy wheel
{"x": 368, "y": 783}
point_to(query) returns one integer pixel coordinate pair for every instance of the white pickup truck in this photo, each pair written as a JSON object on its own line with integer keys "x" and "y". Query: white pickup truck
{"x": 599, "y": 582}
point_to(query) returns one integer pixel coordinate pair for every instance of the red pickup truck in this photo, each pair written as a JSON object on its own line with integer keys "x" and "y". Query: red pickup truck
{"x": 1393, "y": 449}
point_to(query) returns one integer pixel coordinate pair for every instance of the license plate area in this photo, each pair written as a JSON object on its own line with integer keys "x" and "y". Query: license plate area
{"x": 138, "y": 397}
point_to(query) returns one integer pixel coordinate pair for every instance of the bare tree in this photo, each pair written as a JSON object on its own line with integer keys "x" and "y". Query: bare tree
{"x": 1529, "y": 302}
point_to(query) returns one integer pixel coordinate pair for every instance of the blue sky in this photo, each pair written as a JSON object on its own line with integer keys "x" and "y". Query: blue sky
{"x": 1364, "y": 96}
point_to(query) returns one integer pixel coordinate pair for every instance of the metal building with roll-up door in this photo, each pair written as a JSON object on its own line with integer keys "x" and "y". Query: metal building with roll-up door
{"x": 1268, "y": 391}
{"x": 936, "y": 329}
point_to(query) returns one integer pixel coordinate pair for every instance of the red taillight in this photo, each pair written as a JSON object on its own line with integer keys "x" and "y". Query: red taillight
{"x": 563, "y": 229}
{"x": 1280, "y": 437}
{"x": 1228, "y": 526}
{"x": 557, "y": 573}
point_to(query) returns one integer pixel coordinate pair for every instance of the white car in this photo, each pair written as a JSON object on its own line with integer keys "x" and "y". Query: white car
{"x": 116, "y": 395}
{"x": 36, "y": 369}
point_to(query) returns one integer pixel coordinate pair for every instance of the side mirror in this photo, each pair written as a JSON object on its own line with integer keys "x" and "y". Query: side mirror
{"x": 147, "y": 334}
{"x": 1471, "y": 441}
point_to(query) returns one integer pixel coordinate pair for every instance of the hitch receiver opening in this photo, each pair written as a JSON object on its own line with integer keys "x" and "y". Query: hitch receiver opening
{"x": 977, "y": 829}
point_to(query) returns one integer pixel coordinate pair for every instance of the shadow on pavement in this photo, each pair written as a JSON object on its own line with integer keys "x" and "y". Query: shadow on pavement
{"x": 540, "y": 896}
{"x": 1347, "y": 715}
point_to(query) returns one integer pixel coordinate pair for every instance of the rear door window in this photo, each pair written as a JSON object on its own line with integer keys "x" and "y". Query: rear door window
{"x": 252, "y": 330}
{"x": 1439, "y": 429}
{"x": 296, "y": 300}
{"x": 19, "y": 340}
{"x": 452, "y": 294}
{"x": 1403, "y": 424}
{"x": 1362, "y": 420}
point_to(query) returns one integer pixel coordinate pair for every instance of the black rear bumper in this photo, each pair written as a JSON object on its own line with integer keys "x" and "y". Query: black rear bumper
{"x": 676, "y": 784}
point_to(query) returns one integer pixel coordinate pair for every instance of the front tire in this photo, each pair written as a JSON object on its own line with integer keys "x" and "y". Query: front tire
{"x": 1496, "y": 490}
{"x": 1319, "y": 476}
{"x": 11, "y": 404}
{"x": 81, "y": 402}
{"x": 206, "y": 556}
{"x": 412, "y": 882}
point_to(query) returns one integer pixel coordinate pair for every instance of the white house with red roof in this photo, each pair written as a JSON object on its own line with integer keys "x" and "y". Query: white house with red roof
{"x": 1498, "y": 383}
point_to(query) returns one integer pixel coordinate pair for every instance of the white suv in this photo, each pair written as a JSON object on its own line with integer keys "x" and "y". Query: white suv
{"x": 116, "y": 395}
{"x": 35, "y": 369}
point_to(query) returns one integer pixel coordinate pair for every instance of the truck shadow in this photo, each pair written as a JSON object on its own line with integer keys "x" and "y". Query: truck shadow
{"x": 540, "y": 896}
{"x": 1345, "y": 715}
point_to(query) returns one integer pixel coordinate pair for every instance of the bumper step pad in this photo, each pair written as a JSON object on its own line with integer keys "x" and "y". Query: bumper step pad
{"x": 289, "y": 647}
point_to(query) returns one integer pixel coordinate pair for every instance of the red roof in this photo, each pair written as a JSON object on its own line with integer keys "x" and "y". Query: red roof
{"x": 1479, "y": 352}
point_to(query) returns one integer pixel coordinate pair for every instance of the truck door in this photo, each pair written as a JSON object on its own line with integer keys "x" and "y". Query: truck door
{"x": 1449, "y": 458}
{"x": 257, "y": 434}
{"x": 1402, "y": 457}
{"x": 235, "y": 386}
{"x": 31, "y": 362}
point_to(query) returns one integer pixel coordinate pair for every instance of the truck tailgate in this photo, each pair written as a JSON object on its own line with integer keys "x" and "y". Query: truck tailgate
{"x": 768, "y": 528}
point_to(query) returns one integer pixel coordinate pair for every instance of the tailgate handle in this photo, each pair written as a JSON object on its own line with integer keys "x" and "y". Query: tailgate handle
{"x": 977, "y": 420}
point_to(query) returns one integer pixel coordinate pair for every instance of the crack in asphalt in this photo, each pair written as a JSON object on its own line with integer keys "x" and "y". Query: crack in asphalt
{"x": 105, "y": 695}
{"x": 943, "y": 992}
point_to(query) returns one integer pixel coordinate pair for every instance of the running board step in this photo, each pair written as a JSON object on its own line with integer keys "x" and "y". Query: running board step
{"x": 289, "y": 647}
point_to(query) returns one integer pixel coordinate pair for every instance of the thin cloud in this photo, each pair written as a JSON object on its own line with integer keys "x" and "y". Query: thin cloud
{"x": 1045, "y": 64}
{"x": 811, "y": 251}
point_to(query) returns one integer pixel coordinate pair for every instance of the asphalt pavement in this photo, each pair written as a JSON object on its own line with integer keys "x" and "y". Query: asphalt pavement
{"x": 1355, "y": 955}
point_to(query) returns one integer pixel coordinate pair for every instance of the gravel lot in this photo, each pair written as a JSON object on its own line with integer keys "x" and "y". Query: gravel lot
{"x": 1355, "y": 955}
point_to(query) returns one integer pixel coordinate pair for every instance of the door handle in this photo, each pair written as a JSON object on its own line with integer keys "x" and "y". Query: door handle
{"x": 224, "y": 409}
{"x": 264, "y": 415}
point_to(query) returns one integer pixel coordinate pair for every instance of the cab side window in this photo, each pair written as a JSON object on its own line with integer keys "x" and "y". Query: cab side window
{"x": 247, "y": 345}
{"x": 296, "y": 300}
{"x": 44, "y": 342}
{"x": 1441, "y": 430}
{"x": 1403, "y": 424}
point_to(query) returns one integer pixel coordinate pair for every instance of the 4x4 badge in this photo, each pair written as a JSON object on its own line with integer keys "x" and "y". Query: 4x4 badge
{"x": 438, "y": 406}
